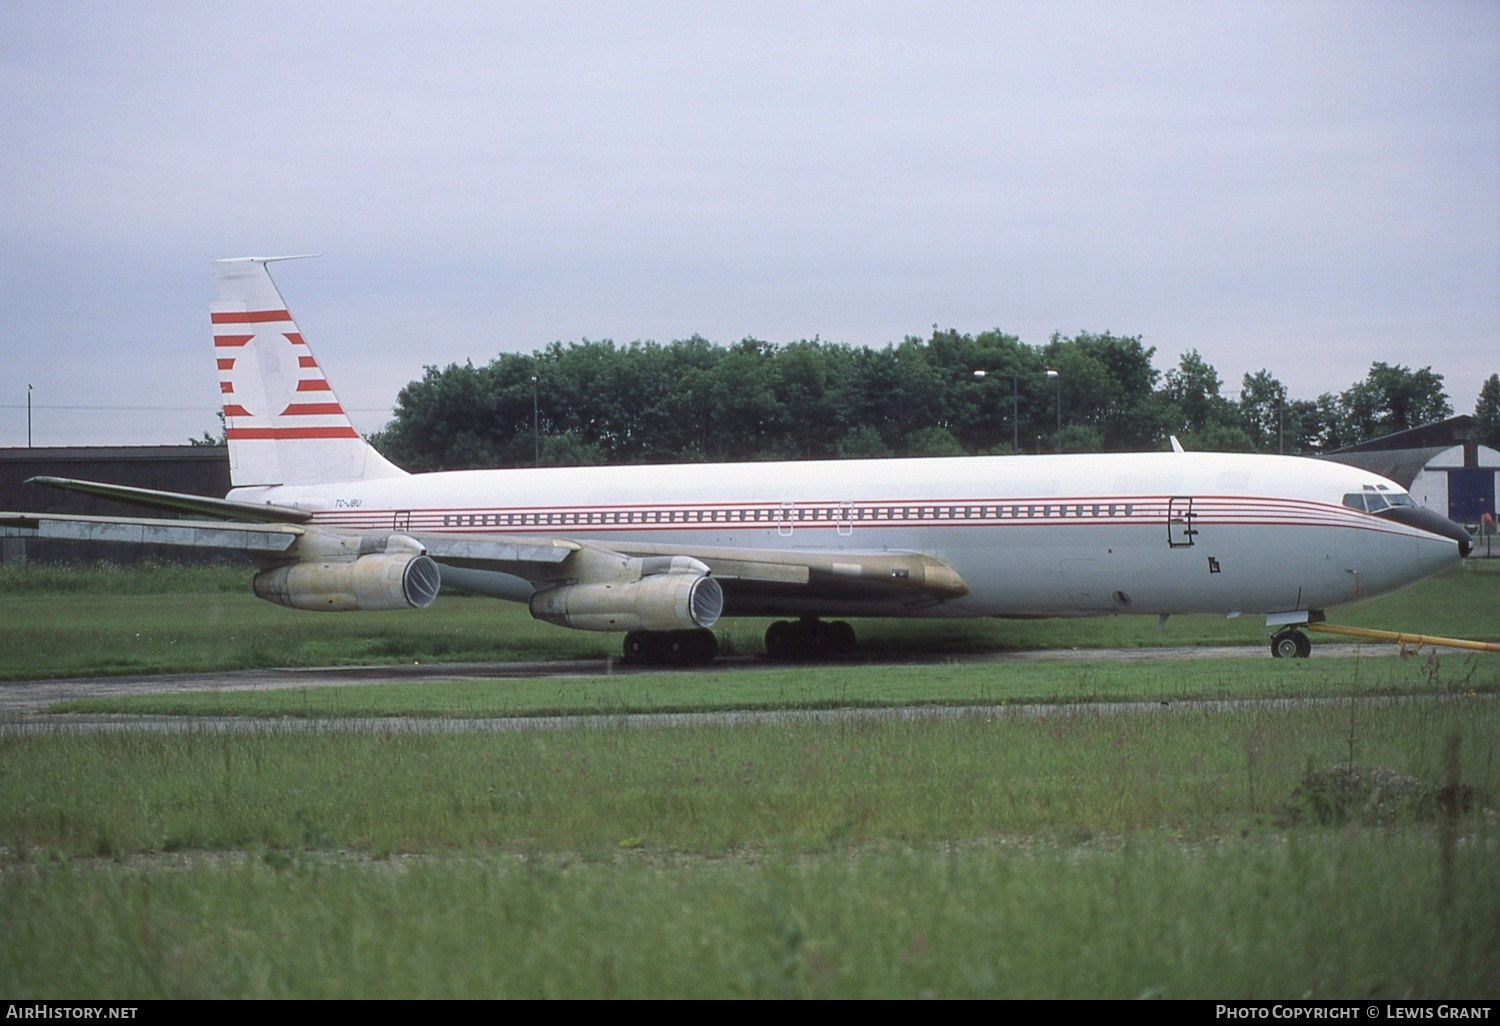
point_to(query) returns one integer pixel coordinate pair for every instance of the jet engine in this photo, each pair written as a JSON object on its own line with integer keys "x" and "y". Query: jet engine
{"x": 659, "y": 602}
{"x": 379, "y": 580}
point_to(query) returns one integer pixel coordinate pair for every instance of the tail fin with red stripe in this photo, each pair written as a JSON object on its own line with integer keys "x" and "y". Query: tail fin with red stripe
{"x": 282, "y": 421}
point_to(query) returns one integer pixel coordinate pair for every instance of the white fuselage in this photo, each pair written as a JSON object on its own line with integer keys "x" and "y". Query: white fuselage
{"x": 1030, "y": 535}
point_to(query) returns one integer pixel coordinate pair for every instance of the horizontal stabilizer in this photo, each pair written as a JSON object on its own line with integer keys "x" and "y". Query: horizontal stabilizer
{"x": 265, "y": 538}
{"x": 177, "y": 502}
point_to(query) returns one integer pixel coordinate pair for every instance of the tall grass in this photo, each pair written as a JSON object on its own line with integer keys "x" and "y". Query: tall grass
{"x": 715, "y": 789}
{"x": 1311, "y": 915}
{"x": 1077, "y": 853}
{"x": 36, "y": 580}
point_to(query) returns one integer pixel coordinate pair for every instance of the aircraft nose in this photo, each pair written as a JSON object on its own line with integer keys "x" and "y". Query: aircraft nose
{"x": 1431, "y": 521}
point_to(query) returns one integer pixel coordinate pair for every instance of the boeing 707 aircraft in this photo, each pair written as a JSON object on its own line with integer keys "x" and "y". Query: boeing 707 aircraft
{"x": 660, "y": 553}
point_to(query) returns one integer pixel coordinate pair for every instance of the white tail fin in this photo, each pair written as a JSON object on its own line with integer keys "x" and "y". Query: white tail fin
{"x": 283, "y": 423}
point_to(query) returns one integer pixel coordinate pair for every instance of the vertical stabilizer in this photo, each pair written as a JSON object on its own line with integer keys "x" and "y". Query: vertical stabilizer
{"x": 282, "y": 421}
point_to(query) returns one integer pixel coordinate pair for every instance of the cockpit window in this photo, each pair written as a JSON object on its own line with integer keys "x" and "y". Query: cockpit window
{"x": 1372, "y": 501}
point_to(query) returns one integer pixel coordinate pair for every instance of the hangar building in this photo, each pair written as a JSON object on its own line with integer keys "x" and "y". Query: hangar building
{"x": 1440, "y": 464}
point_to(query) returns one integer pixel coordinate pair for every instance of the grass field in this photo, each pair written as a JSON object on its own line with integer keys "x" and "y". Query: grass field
{"x": 1077, "y": 854}
{"x": 1300, "y": 917}
{"x": 995, "y": 852}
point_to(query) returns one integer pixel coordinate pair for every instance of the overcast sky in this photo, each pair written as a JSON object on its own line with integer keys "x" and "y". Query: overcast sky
{"x": 1305, "y": 187}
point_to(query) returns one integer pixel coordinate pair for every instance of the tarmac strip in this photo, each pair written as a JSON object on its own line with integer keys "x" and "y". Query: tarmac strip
{"x": 26, "y": 698}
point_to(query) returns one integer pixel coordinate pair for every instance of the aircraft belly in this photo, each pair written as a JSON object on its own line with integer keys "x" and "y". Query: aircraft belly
{"x": 1058, "y": 571}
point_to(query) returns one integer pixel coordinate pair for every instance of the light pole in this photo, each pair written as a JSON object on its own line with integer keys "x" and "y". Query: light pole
{"x": 28, "y": 416}
{"x": 1058, "y": 382}
{"x": 536, "y": 427}
{"x": 1015, "y": 406}
{"x": 1281, "y": 422}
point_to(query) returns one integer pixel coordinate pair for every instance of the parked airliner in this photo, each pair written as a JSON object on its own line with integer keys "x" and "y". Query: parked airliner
{"x": 660, "y": 553}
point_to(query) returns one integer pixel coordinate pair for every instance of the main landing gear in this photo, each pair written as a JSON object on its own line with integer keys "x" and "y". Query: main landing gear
{"x": 786, "y": 640}
{"x": 1290, "y": 643}
{"x": 671, "y": 648}
{"x": 808, "y": 639}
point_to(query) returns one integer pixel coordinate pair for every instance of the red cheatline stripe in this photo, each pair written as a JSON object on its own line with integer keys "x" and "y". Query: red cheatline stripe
{"x": 313, "y": 385}
{"x": 294, "y": 338}
{"x": 235, "y": 410}
{"x": 220, "y": 341}
{"x": 309, "y": 409}
{"x": 306, "y": 361}
{"x": 251, "y": 317}
{"x": 226, "y": 386}
{"x": 252, "y": 434}
{"x": 227, "y": 364}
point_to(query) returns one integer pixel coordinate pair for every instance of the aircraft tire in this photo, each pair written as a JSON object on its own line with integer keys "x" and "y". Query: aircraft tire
{"x": 694, "y": 646}
{"x": 1290, "y": 644}
{"x": 788, "y": 640}
{"x": 785, "y": 640}
{"x": 841, "y": 636}
{"x": 708, "y": 646}
{"x": 641, "y": 647}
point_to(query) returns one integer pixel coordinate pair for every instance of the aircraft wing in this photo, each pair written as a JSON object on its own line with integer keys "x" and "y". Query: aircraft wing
{"x": 752, "y": 578}
{"x": 824, "y": 572}
{"x": 756, "y": 579}
{"x": 509, "y": 555}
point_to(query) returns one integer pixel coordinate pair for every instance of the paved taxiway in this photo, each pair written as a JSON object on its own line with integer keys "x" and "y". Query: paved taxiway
{"x": 22, "y": 702}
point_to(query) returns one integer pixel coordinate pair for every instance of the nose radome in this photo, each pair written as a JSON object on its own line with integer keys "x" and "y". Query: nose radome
{"x": 1431, "y": 521}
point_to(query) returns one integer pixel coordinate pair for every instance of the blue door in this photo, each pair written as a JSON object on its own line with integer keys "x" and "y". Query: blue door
{"x": 1471, "y": 492}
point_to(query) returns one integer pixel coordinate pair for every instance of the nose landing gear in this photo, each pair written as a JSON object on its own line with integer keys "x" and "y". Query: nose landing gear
{"x": 1290, "y": 643}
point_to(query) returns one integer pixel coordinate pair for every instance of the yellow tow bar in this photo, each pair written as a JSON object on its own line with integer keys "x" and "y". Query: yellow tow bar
{"x": 1417, "y": 640}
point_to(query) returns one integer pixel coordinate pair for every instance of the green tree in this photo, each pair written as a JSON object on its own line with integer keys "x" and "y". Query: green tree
{"x": 1263, "y": 411}
{"x": 1392, "y": 399}
{"x": 1107, "y": 383}
{"x": 209, "y": 438}
{"x": 1202, "y": 417}
{"x": 1487, "y": 413}
{"x": 568, "y": 450}
{"x": 860, "y": 443}
{"x": 933, "y": 441}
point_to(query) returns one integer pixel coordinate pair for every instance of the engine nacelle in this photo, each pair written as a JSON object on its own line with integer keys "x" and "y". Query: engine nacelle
{"x": 388, "y": 580}
{"x": 660, "y": 602}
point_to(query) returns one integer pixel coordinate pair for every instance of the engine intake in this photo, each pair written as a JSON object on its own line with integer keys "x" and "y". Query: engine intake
{"x": 661, "y": 602}
{"x": 390, "y": 580}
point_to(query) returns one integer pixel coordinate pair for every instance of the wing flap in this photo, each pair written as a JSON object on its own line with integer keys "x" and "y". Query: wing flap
{"x": 726, "y": 569}
{"x": 498, "y": 553}
{"x": 882, "y": 575}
